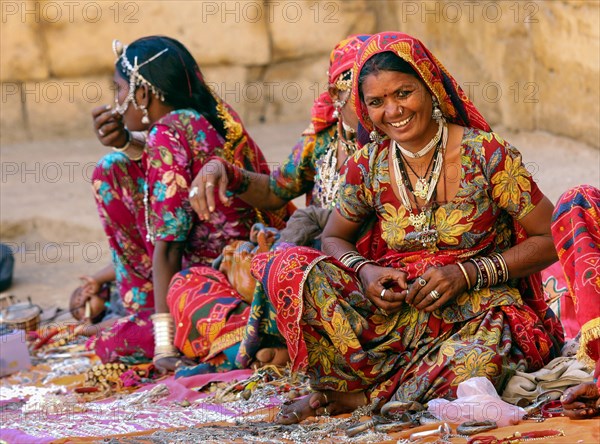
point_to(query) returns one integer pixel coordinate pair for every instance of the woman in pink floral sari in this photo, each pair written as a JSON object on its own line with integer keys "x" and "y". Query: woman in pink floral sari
{"x": 142, "y": 193}
{"x": 446, "y": 287}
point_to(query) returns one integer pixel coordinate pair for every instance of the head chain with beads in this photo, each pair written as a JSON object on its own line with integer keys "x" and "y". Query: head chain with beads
{"x": 133, "y": 71}
{"x": 344, "y": 81}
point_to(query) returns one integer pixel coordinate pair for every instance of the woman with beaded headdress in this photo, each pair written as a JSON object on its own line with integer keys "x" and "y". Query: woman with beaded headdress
{"x": 447, "y": 286}
{"x": 243, "y": 332}
{"x": 142, "y": 191}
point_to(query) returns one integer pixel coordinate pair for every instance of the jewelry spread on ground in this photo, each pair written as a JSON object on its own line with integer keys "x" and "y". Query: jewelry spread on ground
{"x": 517, "y": 437}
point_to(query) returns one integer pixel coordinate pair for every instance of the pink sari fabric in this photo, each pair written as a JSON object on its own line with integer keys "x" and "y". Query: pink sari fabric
{"x": 576, "y": 233}
{"x": 179, "y": 144}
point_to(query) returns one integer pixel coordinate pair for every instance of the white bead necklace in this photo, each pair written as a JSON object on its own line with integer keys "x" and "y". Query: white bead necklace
{"x": 327, "y": 180}
{"x": 432, "y": 144}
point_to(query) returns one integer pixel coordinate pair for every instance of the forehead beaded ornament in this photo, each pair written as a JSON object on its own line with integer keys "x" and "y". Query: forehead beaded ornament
{"x": 135, "y": 78}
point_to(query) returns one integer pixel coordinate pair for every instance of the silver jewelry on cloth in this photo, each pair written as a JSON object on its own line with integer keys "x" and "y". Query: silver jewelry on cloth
{"x": 422, "y": 282}
{"x": 435, "y": 295}
{"x": 193, "y": 192}
{"x": 382, "y": 294}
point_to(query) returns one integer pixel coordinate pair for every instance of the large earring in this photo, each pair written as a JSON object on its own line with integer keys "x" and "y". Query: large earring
{"x": 375, "y": 137}
{"x": 338, "y": 105}
{"x": 145, "y": 118}
{"x": 436, "y": 113}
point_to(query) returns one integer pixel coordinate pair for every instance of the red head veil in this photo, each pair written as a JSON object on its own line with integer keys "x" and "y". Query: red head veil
{"x": 341, "y": 60}
{"x": 455, "y": 105}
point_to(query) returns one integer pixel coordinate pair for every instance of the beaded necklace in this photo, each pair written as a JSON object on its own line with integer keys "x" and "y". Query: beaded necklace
{"x": 150, "y": 237}
{"x": 423, "y": 233}
{"x": 327, "y": 179}
{"x": 421, "y": 186}
{"x": 432, "y": 143}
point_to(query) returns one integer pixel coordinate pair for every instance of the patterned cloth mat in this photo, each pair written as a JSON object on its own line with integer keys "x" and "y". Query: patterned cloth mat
{"x": 42, "y": 406}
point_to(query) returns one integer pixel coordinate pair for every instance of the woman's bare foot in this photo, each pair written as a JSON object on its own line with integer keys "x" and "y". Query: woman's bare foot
{"x": 320, "y": 403}
{"x": 272, "y": 356}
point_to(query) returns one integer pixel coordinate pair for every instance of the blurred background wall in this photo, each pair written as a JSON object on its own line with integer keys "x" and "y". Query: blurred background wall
{"x": 528, "y": 65}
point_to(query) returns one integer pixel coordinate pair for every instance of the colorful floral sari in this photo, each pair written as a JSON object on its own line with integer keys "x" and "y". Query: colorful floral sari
{"x": 178, "y": 145}
{"x": 576, "y": 233}
{"x": 345, "y": 343}
{"x": 214, "y": 325}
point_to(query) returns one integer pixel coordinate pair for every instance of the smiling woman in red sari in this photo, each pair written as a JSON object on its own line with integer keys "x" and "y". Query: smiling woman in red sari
{"x": 445, "y": 288}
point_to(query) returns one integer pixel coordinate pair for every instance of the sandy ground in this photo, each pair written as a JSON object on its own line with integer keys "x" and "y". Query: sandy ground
{"x": 48, "y": 216}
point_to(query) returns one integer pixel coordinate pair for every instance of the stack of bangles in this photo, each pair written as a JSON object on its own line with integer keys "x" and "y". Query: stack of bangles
{"x": 491, "y": 270}
{"x": 164, "y": 334}
{"x": 354, "y": 261}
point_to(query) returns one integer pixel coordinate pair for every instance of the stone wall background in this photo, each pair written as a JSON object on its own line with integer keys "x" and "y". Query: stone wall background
{"x": 527, "y": 65}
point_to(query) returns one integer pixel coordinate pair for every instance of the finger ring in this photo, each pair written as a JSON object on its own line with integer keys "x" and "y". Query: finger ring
{"x": 435, "y": 295}
{"x": 193, "y": 192}
{"x": 325, "y": 412}
{"x": 382, "y": 294}
{"x": 325, "y": 396}
{"x": 296, "y": 415}
{"x": 101, "y": 132}
{"x": 209, "y": 184}
{"x": 422, "y": 282}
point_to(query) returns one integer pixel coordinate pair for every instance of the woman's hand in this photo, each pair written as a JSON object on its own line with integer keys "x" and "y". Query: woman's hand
{"x": 376, "y": 279}
{"x": 109, "y": 127}
{"x": 202, "y": 196}
{"x": 581, "y": 401}
{"x": 165, "y": 365}
{"x": 90, "y": 287}
{"x": 436, "y": 287}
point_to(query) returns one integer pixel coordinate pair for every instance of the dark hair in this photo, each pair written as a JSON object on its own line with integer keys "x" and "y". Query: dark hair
{"x": 384, "y": 61}
{"x": 73, "y": 308}
{"x": 176, "y": 74}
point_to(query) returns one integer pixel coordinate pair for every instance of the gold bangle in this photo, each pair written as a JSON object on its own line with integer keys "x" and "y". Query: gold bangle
{"x": 464, "y": 271}
{"x": 124, "y": 147}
